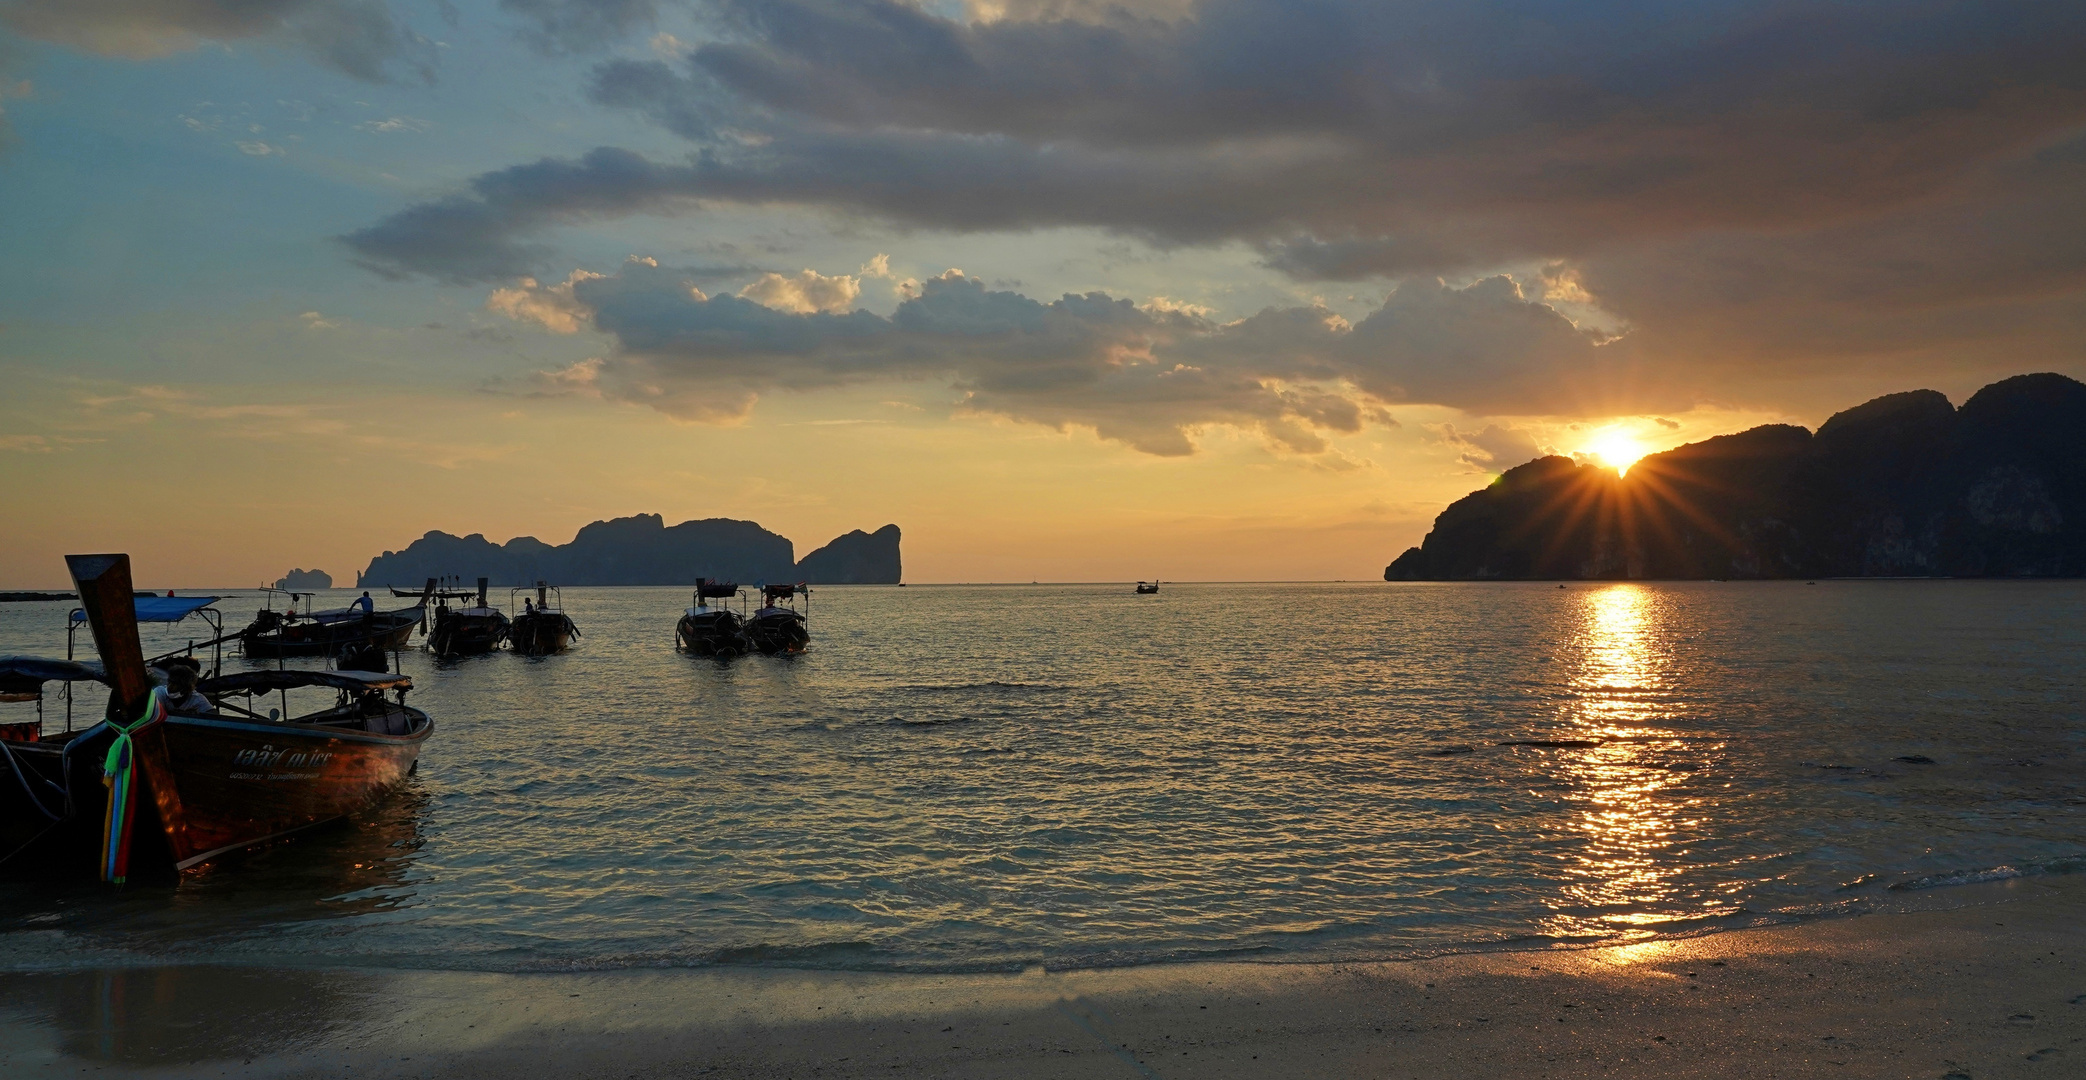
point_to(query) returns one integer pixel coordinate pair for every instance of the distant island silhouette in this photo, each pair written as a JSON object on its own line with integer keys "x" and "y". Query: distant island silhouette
{"x": 642, "y": 550}
{"x": 305, "y": 580}
{"x": 1905, "y": 485}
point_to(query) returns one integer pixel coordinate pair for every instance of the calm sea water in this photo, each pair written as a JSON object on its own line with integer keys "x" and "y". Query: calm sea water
{"x": 962, "y": 778}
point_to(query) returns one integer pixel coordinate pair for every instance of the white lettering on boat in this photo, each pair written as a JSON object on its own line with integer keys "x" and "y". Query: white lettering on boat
{"x": 268, "y": 757}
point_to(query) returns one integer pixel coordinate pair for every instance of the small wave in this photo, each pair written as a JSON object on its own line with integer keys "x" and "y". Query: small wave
{"x": 928, "y": 721}
{"x": 2069, "y": 864}
{"x": 957, "y": 688}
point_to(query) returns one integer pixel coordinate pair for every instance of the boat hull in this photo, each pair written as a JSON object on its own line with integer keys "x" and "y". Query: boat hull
{"x": 221, "y": 785}
{"x": 466, "y": 635}
{"x": 540, "y": 635}
{"x": 717, "y": 633}
{"x": 778, "y": 632}
{"x": 211, "y": 786}
{"x": 386, "y": 632}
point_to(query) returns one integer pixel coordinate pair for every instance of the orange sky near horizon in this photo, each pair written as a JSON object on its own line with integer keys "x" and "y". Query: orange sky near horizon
{"x": 215, "y": 487}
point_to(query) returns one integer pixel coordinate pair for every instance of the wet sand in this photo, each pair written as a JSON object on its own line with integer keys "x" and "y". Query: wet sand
{"x": 1994, "y": 986}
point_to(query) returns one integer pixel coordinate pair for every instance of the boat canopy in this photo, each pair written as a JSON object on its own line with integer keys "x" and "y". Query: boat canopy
{"x": 39, "y": 669}
{"x": 160, "y": 608}
{"x": 360, "y": 681}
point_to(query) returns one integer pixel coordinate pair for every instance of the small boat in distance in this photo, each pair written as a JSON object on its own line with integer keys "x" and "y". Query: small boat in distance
{"x": 541, "y": 628}
{"x": 712, "y": 631}
{"x": 1147, "y": 587}
{"x": 468, "y": 631}
{"x": 776, "y": 628}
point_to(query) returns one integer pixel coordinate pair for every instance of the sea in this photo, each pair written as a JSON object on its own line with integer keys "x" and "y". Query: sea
{"x": 997, "y": 778}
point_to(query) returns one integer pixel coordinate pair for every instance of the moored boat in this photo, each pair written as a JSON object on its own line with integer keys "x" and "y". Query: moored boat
{"x": 275, "y": 634}
{"x": 468, "y": 631}
{"x": 777, "y": 626}
{"x": 541, "y": 628}
{"x": 1146, "y": 588}
{"x": 163, "y": 786}
{"x": 712, "y": 631}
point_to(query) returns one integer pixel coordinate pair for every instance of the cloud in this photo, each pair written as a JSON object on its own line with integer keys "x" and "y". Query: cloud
{"x": 576, "y": 26}
{"x": 805, "y": 292}
{"x": 549, "y": 306}
{"x": 22, "y": 88}
{"x": 1492, "y": 448}
{"x": 476, "y": 236}
{"x": 393, "y": 124}
{"x": 1905, "y": 179}
{"x": 26, "y": 444}
{"x": 360, "y": 38}
{"x": 1150, "y": 377}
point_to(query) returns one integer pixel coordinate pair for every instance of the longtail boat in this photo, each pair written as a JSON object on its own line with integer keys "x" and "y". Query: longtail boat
{"x": 777, "y": 626}
{"x": 159, "y": 787}
{"x": 541, "y": 627}
{"x": 277, "y": 634}
{"x": 712, "y": 631}
{"x": 468, "y": 631}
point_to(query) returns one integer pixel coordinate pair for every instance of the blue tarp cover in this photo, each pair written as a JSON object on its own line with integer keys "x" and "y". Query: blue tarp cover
{"x": 161, "y": 608}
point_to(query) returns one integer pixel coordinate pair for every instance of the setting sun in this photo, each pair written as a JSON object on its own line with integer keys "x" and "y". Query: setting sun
{"x": 1617, "y": 449}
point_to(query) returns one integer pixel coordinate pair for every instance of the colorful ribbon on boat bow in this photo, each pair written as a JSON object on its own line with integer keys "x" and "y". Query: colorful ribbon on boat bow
{"x": 118, "y": 774}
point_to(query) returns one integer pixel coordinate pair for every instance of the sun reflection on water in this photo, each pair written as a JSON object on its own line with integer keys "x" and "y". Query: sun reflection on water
{"x": 1626, "y": 797}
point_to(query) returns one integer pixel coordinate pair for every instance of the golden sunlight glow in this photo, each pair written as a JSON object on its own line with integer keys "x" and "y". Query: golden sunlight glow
{"x": 1628, "y": 797}
{"x": 1616, "y": 448}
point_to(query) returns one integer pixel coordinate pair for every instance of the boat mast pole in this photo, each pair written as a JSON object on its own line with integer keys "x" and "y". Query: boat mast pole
{"x": 111, "y": 606}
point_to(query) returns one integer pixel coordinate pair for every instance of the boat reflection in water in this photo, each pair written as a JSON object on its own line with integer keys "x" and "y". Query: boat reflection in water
{"x": 175, "y": 1014}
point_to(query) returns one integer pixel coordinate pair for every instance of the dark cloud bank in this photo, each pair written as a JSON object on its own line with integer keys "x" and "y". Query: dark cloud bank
{"x": 1146, "y": 376}
{"x": 365, "y": 39}
{"x": 1765, "y": 196}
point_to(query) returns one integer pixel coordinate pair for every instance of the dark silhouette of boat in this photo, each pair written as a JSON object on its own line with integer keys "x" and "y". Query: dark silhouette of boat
{"x": 468, "y": 631}
{"x": 1145, "y": 588}
{"x": 152, "y": 790}
{"x": 778, "y": 627}
{"x": 542, "y": 627}
{"x": 274, "y": 635}
{"x": 712, "y": 631}
{"x": 450, "y": 588}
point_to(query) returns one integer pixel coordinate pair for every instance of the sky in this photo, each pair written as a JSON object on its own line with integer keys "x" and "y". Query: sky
{"x": 1068, "y": 289}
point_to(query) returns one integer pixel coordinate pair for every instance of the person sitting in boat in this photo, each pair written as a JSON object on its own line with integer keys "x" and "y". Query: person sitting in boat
{"x": 182, "y": 695}
{"x": 367, "y": 606}
{"x": 528, "y": 607}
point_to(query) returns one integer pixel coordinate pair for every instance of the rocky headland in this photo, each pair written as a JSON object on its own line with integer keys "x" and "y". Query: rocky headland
{"x": 1905, "y": 485}
{"x": 643, "y": 550}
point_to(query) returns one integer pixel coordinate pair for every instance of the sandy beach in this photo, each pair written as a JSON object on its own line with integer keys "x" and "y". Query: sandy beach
{"x": 1991, "y": 986}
